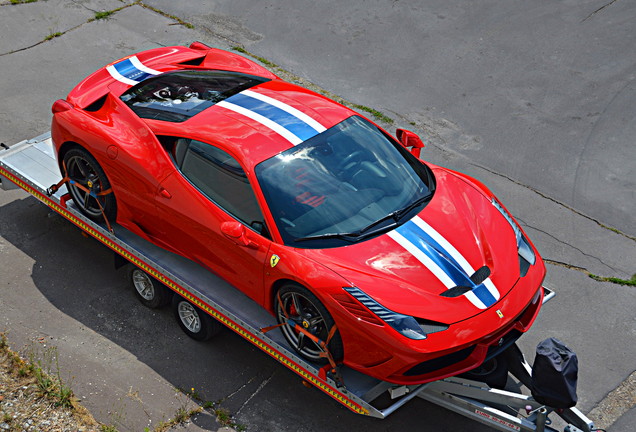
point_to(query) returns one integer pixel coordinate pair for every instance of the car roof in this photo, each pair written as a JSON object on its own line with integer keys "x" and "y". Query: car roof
{"x": 260, "y": 122}
{"x": 253, "y": 125}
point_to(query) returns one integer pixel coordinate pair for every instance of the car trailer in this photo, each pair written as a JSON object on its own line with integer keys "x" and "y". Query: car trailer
{"x": 32, "y": 166}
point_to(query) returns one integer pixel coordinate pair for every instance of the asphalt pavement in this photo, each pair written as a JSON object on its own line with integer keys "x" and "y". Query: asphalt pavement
{"x": 552, "y": 137}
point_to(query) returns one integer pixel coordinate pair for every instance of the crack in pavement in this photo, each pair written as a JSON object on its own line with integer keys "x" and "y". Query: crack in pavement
{"x": 612, "y": 280}
{"x": 569, "y": 245}
{"x": 598, "y": 10}
{"x": 17, "y": 4}
{"x": 554, "y": 200}
{"x": 140, "y": 3}
{"x": 46, "y": 39}
{"x": 62, "y": 33}
{"x": 238, "y": 390}
{"x": 83, "y": 5}
{"x": 260, "y": 387}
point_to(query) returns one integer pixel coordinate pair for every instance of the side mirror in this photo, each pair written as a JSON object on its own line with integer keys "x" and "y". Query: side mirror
{"x": 237, "y": 232}
{"x": 410, "y": 140}
{"x": 233, "y": 229}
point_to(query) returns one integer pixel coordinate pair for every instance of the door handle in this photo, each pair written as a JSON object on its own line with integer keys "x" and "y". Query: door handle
{"x": 164, "y": 193}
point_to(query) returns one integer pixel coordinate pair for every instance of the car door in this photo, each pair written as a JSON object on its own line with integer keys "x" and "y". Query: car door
{"x": 210, "y": 214}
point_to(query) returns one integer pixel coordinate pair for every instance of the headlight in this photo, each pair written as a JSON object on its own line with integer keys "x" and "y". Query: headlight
{"x": 412, "y": 328}
{"x": 526, "y": 254}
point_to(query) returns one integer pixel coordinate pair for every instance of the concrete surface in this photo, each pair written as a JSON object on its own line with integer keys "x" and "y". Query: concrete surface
{"x": 125, "y": 361}
{"x": 541, "y": 91}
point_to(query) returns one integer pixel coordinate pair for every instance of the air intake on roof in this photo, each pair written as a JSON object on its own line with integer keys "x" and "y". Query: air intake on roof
{"x": 198, "y": 61}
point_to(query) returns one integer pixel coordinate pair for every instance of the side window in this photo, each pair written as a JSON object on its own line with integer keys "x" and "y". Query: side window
{"x": 219, "y": 176}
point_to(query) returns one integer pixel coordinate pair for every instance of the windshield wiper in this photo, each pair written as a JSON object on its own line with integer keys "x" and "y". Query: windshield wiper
{"x": 364, "y": 232}
{"x": 396, "y": 215}
{"x": 399, "y": 214}
{"x": 351, "y": 237}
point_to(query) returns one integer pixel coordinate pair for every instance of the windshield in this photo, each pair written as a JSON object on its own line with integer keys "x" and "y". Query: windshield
{"x": 344, "y": 185}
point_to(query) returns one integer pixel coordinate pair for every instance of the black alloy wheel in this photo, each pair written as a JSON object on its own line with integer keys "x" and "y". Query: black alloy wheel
{"x": 83, "y": 169}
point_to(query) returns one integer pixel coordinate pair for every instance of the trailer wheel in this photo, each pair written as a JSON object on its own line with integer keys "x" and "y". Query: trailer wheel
{"x": 193, "y": 321}
{"x": 83, "y": 169}
{"x": 298, "y": 304}
{"x": 150, "y": 292}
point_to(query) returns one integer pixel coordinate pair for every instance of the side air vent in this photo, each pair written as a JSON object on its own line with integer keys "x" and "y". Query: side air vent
{"x": 97, "y": 105}
{"x": 480, "y": 275}
{"x": 198, "y": 61}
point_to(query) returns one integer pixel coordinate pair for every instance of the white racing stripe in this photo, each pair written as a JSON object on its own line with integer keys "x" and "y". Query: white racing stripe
{"x": 139, "y": 65}
{"x": 263, "y": 120}
{"x": 289, "y": 109}
{"x": 423, "y": 258}
{"x": 119, "y": 77}
{"x": 465, "y": 265}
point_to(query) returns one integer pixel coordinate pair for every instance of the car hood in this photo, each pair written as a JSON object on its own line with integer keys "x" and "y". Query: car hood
{"x": 407, "y": 269}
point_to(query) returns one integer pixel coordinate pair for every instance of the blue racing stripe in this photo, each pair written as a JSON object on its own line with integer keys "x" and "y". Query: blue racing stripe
{"x": 293, "y": 124}
{"x": 484, "y": 295}
{"x": 433, "y": 250}
{"x": 128, "y": 70}
{"x": 416, "y": 236}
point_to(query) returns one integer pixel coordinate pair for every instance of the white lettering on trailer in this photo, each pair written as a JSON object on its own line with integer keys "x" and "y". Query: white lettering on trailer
{"x": 495, "y": 419}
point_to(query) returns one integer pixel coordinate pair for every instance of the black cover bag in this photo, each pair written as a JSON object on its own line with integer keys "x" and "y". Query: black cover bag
{"x": 554, "y": 374}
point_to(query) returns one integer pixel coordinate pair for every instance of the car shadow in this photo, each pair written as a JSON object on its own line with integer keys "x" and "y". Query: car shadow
{"x": 76, "y": 274}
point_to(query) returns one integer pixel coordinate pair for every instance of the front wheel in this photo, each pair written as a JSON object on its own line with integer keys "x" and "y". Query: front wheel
{"x": 193, "y": 321}
{"x": 298, "y": 305}
{"x": 87, "y": 182}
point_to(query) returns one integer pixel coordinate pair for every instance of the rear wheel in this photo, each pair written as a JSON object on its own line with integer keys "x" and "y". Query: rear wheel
{"x": 193, "y": 321}
{"x": 300, "y": 306}
{"x": 87, "y": 181}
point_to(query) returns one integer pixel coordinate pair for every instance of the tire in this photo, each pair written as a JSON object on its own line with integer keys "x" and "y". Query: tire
{"x": 83, "y": 168}
{"x": 193, "y": 321}
{"x": 150, "y": 292}
{"x": 313, "y": 316}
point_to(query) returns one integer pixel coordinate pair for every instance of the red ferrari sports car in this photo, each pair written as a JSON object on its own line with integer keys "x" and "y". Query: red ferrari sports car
{"x": 307, "y": 207}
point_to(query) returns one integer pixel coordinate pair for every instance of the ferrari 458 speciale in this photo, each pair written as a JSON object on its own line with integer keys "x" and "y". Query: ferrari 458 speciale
{"x": 304, "y": 205}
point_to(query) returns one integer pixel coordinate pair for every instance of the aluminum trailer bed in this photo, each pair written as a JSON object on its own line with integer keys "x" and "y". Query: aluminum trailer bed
{"x": 31, "y": 165}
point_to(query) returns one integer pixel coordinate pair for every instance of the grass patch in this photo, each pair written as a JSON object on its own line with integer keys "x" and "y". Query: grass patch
{"x": 103, "y": 14}
{"x": 15, "y": 2}
{"x": 610, "y": 279}
{"x": 33, "y": 382}
{"x": 181, "y": 416}
{"x": 44, "y": 367}
{"x": 53, "y": 36}
{"x": 260, "y": 59}
{"x": 375, "y": 113}
{"x": 618, "y": 281}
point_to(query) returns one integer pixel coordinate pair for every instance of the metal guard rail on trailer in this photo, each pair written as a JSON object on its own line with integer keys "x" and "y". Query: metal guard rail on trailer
{"x": 32, "y": 166}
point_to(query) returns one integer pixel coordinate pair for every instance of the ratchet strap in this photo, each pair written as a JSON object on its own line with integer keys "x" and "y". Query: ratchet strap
{"x": 54, "y": 188}
{"x": 332, "y": 366}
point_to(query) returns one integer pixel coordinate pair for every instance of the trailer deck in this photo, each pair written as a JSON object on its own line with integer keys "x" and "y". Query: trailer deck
{"x": 31, "y": 165}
